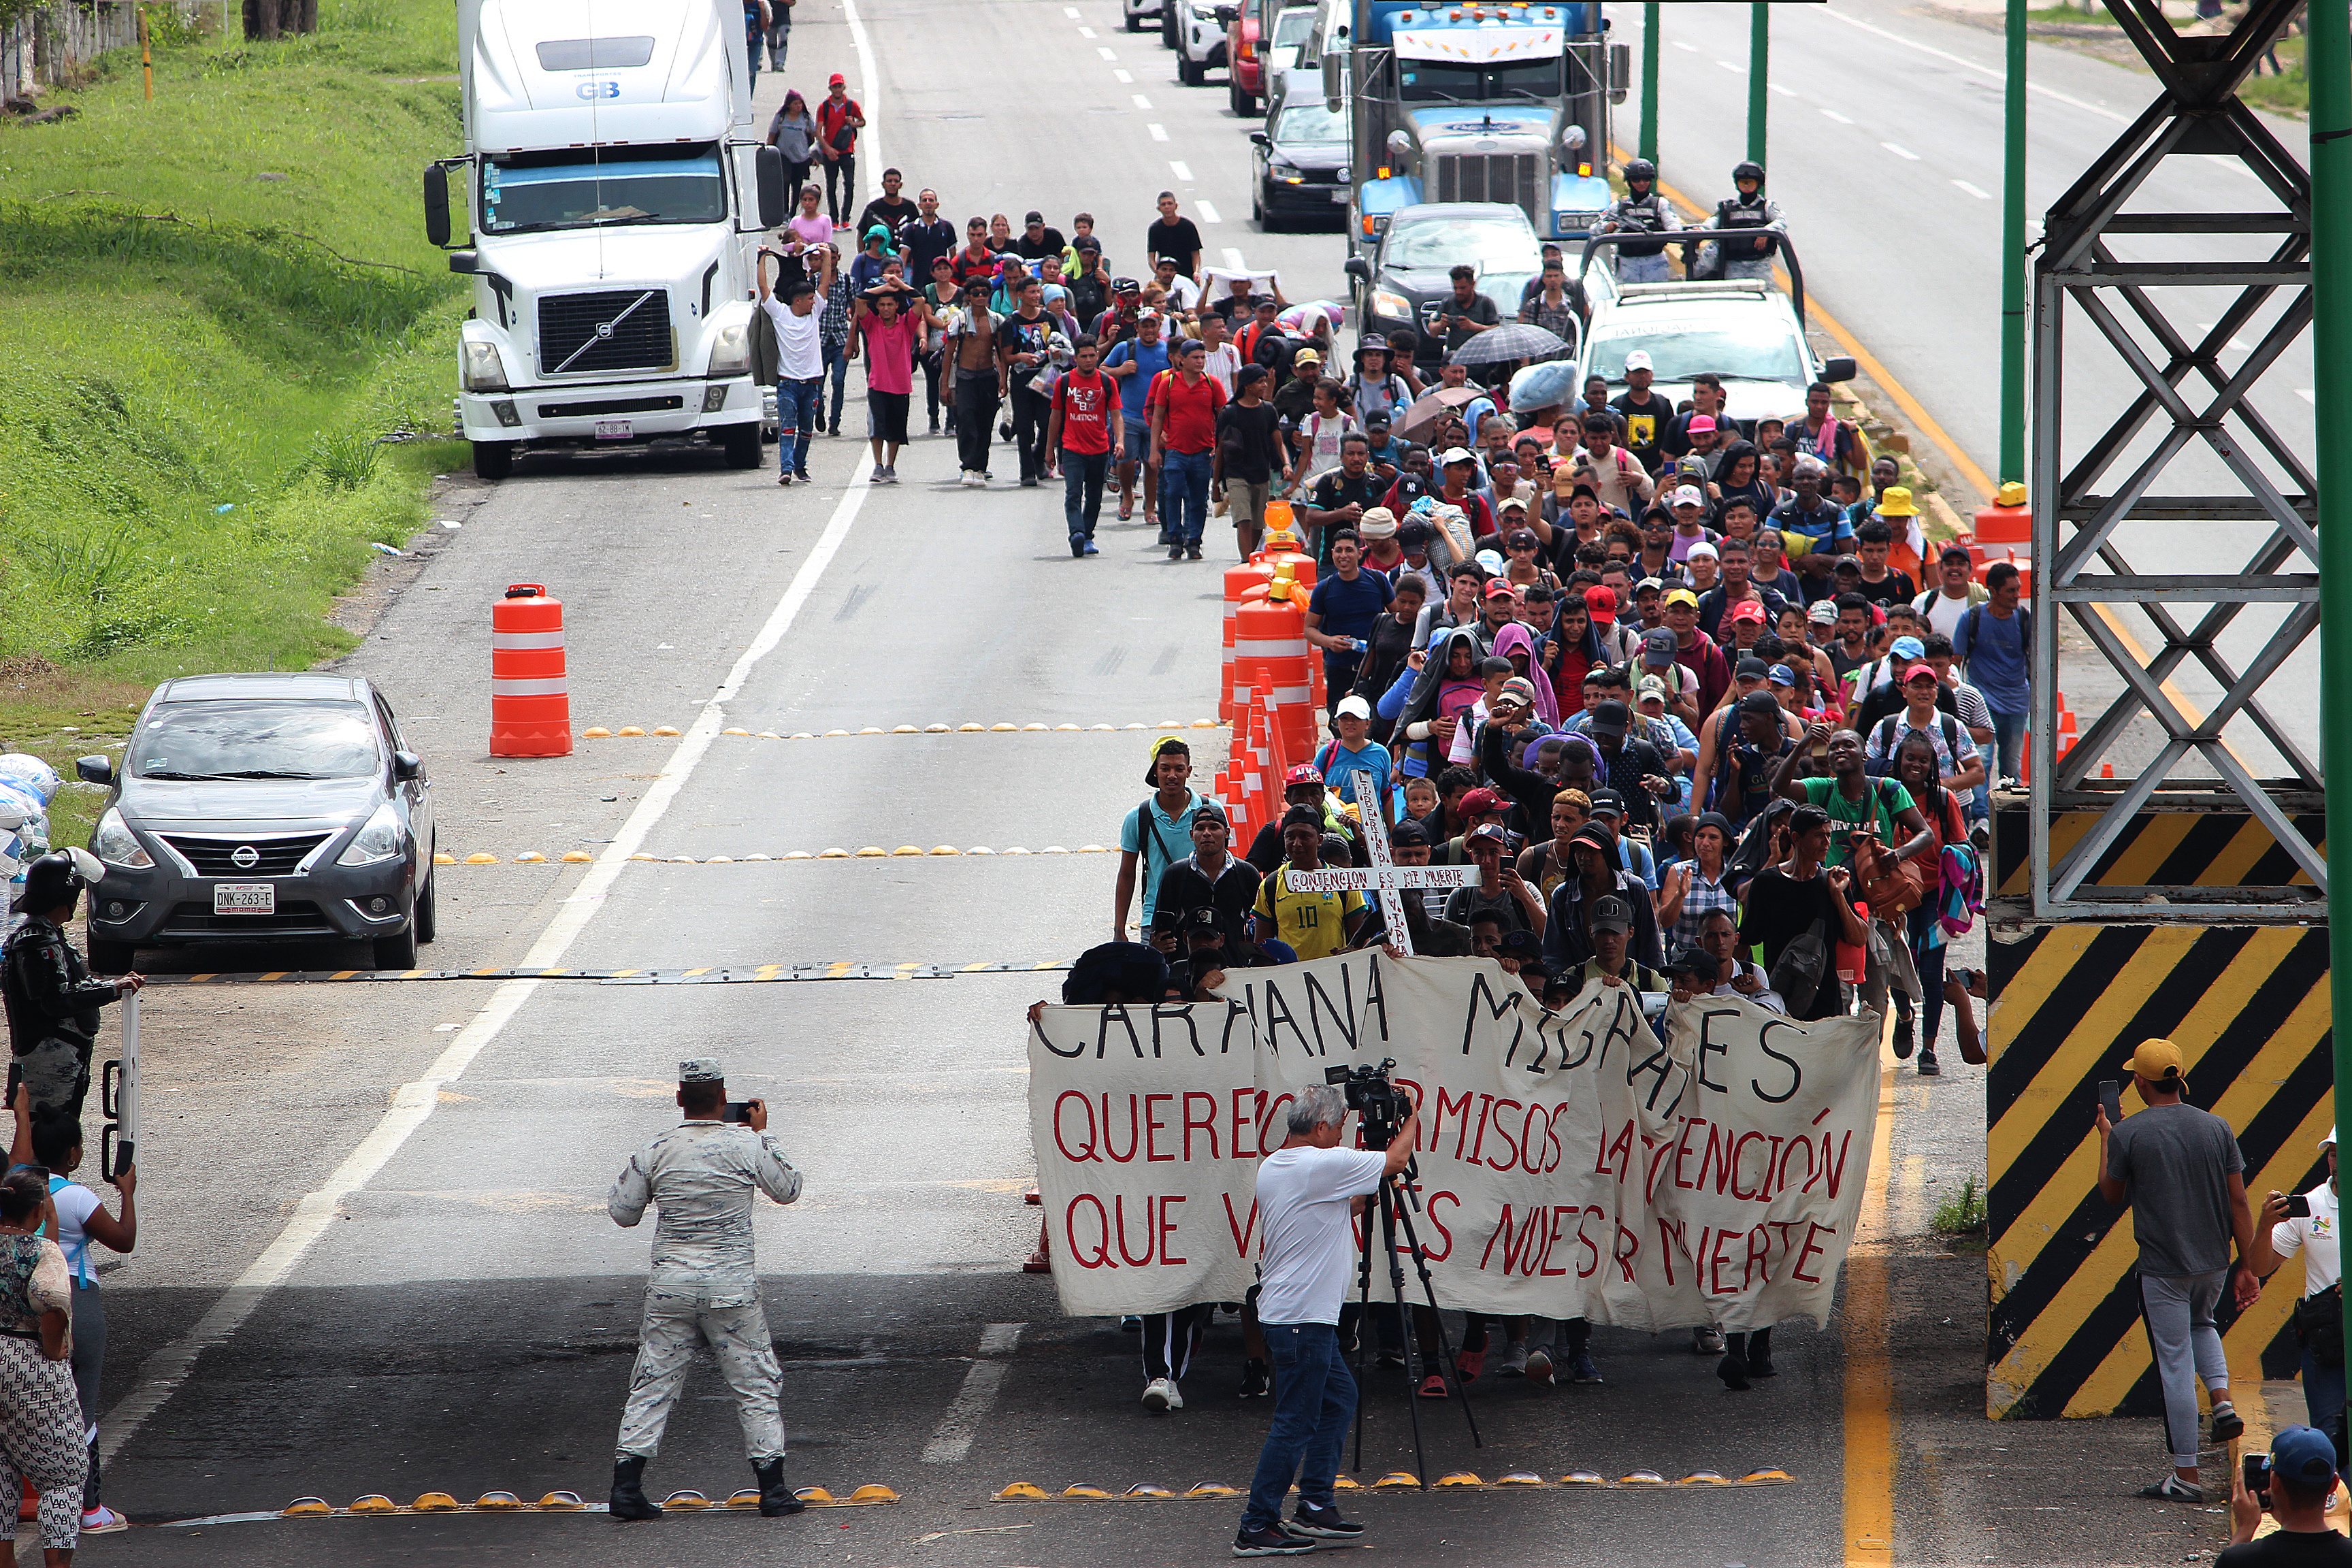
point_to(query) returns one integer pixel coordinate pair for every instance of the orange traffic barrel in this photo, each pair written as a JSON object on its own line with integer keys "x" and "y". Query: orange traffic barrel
{"x": 530, "y": 702}
{"x": 1270, "y": 639}
{"x": 1239, "y": 581}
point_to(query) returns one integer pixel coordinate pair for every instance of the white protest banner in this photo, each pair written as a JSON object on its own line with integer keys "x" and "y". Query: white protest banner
{"x": 1563, "y": 1167}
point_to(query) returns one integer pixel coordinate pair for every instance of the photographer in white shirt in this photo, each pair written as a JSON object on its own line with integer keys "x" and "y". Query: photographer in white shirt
{"x": 2319, "y": 1309}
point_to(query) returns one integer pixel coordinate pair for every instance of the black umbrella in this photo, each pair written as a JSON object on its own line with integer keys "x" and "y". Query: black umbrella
{"x": 1511, "y": 340}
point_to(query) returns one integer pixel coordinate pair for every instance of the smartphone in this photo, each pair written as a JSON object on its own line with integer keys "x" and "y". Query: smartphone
{"x": 736, "y": 1111}
{"x": 2111, "y": 1098}
{"x": 2298, "y": 1205}
{"x": 2258, "y": 1473}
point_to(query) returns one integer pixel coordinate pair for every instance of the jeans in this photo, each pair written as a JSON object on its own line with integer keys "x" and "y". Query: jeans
{"x": 2323, "y": 1395}
{"x": 1184, "y": 495}
{"x": 1928, "y": 964}
{"x": 841, "y": 185}
{"x": 1314, "y": 1400}
{"x": 1339, "y": 675}
{"x": 1083, "y": 474}
{"x": 933, "y": 365}
{"x": 797, "y": 405}
{"x": 836, "y": 368}
{"x": 1031, "y": 413}
{"x": 2179, "y": 1312}
{"x": 2008, "y": 743}
{"x": 975, "y": 406}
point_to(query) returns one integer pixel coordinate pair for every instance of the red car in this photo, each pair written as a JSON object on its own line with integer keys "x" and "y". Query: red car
{"x": 1245, "y": 67}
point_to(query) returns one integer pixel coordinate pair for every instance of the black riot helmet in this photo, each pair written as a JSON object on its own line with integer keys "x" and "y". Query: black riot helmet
{"x": 1749, "y": 170}
{"x": 1640, "y": 172}
{"x": 56, "y": 879}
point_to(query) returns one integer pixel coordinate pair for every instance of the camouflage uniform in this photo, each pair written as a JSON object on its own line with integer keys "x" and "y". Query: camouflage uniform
{"x": 704, "y": 1283}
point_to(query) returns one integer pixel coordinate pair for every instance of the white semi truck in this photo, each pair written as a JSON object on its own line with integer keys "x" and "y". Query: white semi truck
{"x": 615, "y": 193}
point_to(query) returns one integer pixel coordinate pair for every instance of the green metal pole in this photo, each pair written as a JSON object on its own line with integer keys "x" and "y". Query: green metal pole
{"x": 1760, "y": 50}
{"x": 2013, "y": 256}
{"x": 2327, "y": 65}
{"x": 1650, "y": 82}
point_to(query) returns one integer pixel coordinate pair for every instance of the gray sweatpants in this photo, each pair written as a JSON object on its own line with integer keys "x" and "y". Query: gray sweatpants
{"x": 2179, "y": 1316}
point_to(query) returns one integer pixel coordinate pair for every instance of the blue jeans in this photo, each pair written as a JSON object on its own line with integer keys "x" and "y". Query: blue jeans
{"x": 2008, "y": 743}
{"x": 1184, "y": 495}
{"x": 1083, "y": 474}
{"x": 836, "y": 365}
{"x": 797, "y": 405}
{"x": 1314, "y": 1400}
{"x": 2322, "y": 1398}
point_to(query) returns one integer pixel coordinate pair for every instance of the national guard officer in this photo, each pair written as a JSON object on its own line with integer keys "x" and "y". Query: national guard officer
{"x": 1642, "y": 211}
{"x": 1748, "y": 252}
{"x": 52, "y": 998}
{"x": 704, "y": 1283}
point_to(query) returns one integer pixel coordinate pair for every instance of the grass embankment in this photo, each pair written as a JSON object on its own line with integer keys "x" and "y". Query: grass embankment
{"x": 212, "y": 306}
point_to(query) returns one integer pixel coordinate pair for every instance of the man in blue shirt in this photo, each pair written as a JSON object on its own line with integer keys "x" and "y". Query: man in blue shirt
{"x": 1340, "y": 613}
{"x": 1133, "y": 363}
{"x": 1158, "y": 833}
{"x": 1812, "y": 519}
{"x": 1996, "y": 641}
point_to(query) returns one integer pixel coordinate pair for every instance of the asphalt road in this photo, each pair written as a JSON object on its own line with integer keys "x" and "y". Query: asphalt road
{"x": 377, "y": 1259}
{"x": 1885, "y": 154}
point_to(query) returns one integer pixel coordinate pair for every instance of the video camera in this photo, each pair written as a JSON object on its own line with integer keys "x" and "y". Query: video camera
{"x": 1371, "y": 1096}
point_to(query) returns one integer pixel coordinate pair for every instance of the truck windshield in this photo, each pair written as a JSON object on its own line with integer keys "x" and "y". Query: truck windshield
{"x": 1293, "y": 25}
{"x": 618, "y": 185}
{"x": 1764, "y": 350}
{"x": 1424, "y": 81}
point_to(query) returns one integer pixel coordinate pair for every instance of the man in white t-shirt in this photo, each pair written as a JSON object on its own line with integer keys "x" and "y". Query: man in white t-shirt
{"x": 795, "y": 313}
{"x": 1220, "y": 360}
{"x": 1956, "y": 589}
{"x": 2316, "y": 1237}
{"x": 1305, "y": 1191}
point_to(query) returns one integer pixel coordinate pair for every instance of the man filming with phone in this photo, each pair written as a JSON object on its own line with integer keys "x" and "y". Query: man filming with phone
{"x": 1307, "y": 1190}
{"x": 2292, "y": 1482}
{"x": 704, "y": 1284}
{"x": 2305, "y": 1224}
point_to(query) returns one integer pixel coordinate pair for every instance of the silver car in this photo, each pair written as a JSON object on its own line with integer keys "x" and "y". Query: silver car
{"x": 263, "y": 808}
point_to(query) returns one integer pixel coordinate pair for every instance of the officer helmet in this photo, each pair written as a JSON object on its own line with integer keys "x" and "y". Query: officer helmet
{"x": 1641, "y": 170}
{"x": 56, "y": 879}
{"x": 1749, "y": 170}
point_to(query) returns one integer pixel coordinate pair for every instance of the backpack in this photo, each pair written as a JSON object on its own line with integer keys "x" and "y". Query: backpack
{"x": 1973, "y": 621}
{"x": 1887, "y": 740}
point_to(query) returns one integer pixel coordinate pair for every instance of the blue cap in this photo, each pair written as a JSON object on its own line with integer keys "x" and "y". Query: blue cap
{"x": 1909, "y": 647}
{"x": 2304, "y": 1456}
{"x": 1781, "y": 675}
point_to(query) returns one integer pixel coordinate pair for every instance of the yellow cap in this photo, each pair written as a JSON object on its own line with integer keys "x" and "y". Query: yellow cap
{"x": 2156, "y": 1060}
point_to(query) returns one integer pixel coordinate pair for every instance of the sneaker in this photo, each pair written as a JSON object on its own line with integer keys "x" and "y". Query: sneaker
{"x": 1760, "y": 1363}
{"x": 876, "y": 476}
{"x": 1191, "y": 552}
{"x": 1389, "y": 1355}
{"x": 1004, "y": 430}
{"x": 1432, "y": 1387}
{"x": 971, "y": 479}
{"x": 1078, "y": 545}
{"x": 1322, "y": 1523}
{"x": 2227, "y": 1423}
{"x": 1175, "y": 553}
{"x": 1982, "y": 837}
{"x": 1733, "y": 1370}
{"x": 1903, "y": 1038}
{"x": 104, "y": 1520}
{"x": 1090, "y": 548}
{"x": 1515, "y": 1360}
{"x": 833, "y": 429}
{"x": 2172, "y": 1489}
{"x": 1707, "y": 1340}
{"x": 1928, "y": 1066}
{"x": 1468, "y": 1364}
{"x": 1538, "y": 1369}
{"x": 1581, "y": 1368}
{"x": 1271, "y": 1540}
{"x": 935, "y": 424}
{"x": 890, "y": 474}
{"x": 784, "y": 479}
{"x": 802, "y": 477}
{"x": 1160, "y": 1396}
{"x": 1257, "y": 1379}
{"x": 1029, "y": 482}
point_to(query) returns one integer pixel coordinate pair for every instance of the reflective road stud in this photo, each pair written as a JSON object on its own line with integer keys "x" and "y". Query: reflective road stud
{"x": 531, "y": 705}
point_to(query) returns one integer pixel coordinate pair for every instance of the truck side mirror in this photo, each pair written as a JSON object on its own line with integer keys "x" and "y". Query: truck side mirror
{"x": 437, "y": 204}
{"x": 1621, "y": 71}
{"x": 1400, "y": 148}
{"x": 1335, "y": 87}
{"x": 774, "y": 205}
{"x": 1839, "y": 369}
{"x": 94, "y": 769}
{"x": 1360, "y": 270}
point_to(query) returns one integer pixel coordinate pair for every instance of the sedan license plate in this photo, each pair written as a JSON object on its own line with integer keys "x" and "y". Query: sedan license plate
{"x": 245, "y": 899}
{"x": 1341, "y": 195}
{"x": 613, "y": 430}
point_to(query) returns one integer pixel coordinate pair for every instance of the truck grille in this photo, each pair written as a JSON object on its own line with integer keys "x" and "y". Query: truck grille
{"x": 601, "y": 332}
{"x": 269, "y": 856}
{"x": 1513, "y": 177}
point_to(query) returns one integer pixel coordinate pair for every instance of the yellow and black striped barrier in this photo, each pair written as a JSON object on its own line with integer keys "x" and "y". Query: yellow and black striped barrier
{"x": 2180, "y": 847}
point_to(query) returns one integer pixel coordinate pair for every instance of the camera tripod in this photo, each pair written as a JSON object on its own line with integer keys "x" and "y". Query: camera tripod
{"x": 1396, "y": 1205}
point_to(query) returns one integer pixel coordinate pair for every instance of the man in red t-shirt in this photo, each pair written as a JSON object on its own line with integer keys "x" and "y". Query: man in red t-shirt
{"x": 1087, "y": 430}
{"x": 1182, "y": 407}
{"x": 838, "y": 121}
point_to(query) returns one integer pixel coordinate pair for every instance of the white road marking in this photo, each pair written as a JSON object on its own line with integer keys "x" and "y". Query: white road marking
{"x": 1733, "y": 67}
{"x": 1985, "y": 71}
{"x": 1981, "y": 196}
{"x": 1158, "y": 133}
{"x": 1122, "y": 77}
{"x": 1783, "y": 92}
{"x": 872, "y": 79}
{"x": 953, "y": 1440}
{"x": 1183, "y": 172}
{"x": 1686, "y": 48}
{"x": 1071, "y": 12}
{"x": 1208, "y": 213}
{"x": 1086, "y": 32}
{"x": 1233, "y": 257}
{"x": 1105, "y": 53}
{"x": 1833, "y": 114}
{"x": 1900, "y": 151}
{"x": 1141, "y": 102}
{"x": 166, "y": 1369}
{"x": 2308, "y": 395}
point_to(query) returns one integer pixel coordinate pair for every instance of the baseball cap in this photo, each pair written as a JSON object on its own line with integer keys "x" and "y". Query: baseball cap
{"x": 2304, "y": 1456}
{"x": 1032, "y": 216}
{"x": 1701, "y": 424}
{"x": 1354, "y": 706}
{"x": 1687, "y": 495}
{"x": 1761, "y": 703}
{"x": 1487, "y": 833}
{"x": 1908, "y": 647}
{"x": 1202, "y": 919}
{"x": 2328, "y": 1141}
{"x": 1681, "y": 597}
{"x": 1479, "y": 801}
{"x": 1658, "y": 646}
{"x": 1125, "y": 286}
{"x": 1519, "y": 536}
{"x": 1304, "y": 772}
{"x": 1611, "y": 718}
{"x": 1781, "y": 675}
{"x": 1824, "y": 613}
{"x": 837, "y": 80}
{"x": 1306, "y": 356}
{"x": 2158, "y": 1060}
{"x": 1847, "y": 563}
{"x": 1651, "y": 586}
{"x": 1897, "y": 502}
{"x": 1453, "y": 455}
{"x": 1378, "y": 419}
{"x": 1600, "y": 603}
{"x": 1380, "y": 522}
{"x": 1412, "y": 533}
{"x": 1698, "y": 965}
{"x": 1611, "y": 914}
{"x": 1090, "y": 245}
{"x": 1651, "y": 689}
{"x": 1208, "y": 813}
{"x": 1639, "y": 360}
{"x": 1518, "y": 689}
{"x": 1916, "y": 670}
{"x": 1747, "y": 610}
{"x": 1514, "y": 503}
{"x": 1751, "y": 667}
{"x": 1522, "y": 946}
{"x": 1409, "y": 832}
{"x": 1499, "y": 588}
{"x": 1608, "y": 803}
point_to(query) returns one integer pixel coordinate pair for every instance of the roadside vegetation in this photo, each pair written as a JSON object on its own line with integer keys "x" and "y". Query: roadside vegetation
{"x": 223, "y": 345}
